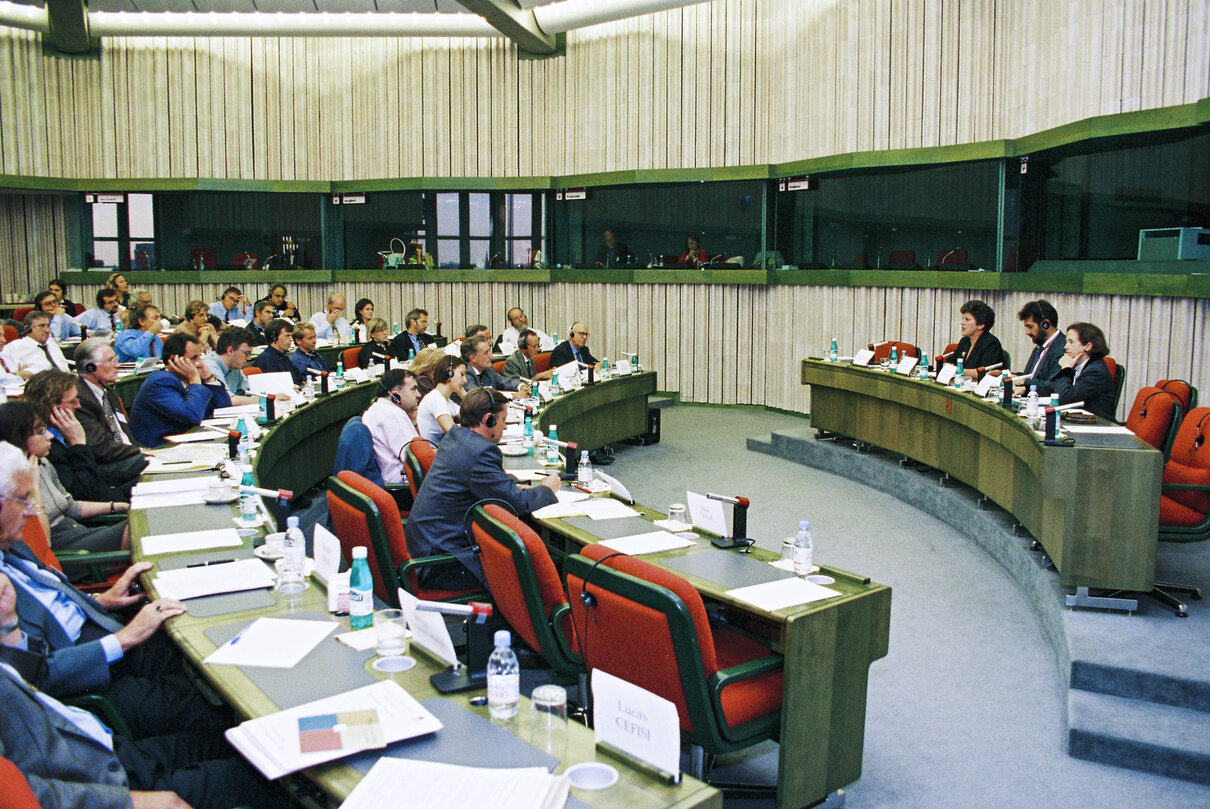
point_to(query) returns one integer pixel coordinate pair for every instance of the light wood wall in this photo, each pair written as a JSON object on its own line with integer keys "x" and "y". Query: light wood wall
{"x": 723, "y": 83}
{"x": 728, "y": 344}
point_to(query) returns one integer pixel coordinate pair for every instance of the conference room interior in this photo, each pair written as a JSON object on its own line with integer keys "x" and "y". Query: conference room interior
{"x": 875, "y": 224}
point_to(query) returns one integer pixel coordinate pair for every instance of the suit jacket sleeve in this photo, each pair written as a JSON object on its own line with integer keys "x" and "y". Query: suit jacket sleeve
{"x": 1095, "y": 388}
{"x": 487, "y": 479}
{"x": 514, "y": 368}
{"x": 561, "y": 355}
{"x": 1048, "y": 368}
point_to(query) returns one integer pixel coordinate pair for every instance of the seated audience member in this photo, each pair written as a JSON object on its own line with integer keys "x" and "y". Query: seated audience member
{"x": 363, "y": 313}
{"x": 233, "y": 305}
{"x": 575, "y": 347}
{"x": 417, "y": 256}
{"x": 695, "y": 254}
{"x": 179, "y": 397}
{"x": 227, "y": 362}
{"x": 305, "y": 356}
{"x": 468, "y": 469}
{"x": 121, "y": 288}
{"x": 613, "y": 253}
{"x": 139, "y": 296}
{"x": 413, "y": 339}
{"x": 1083, "y": 373}
{"x": 520, "y": 364}
{"x": 437, "y": 411}
{"x": 35, "y": 351}
{"x": 978, "y": 347}
{"x": 378, "y": 334}
{"x": 510, "y": 338}
{"x": 424, "y": 365}
{"x": 62, "y": 325}
{"x": 101, "y": 413}
{"x": 55, "y": 508}
{"x": 59, "y": 288}
{"x": 1041, "y": 323}
{"x": 389, "y": 420}
{"x": 477, "y": 351}
{"x": 281, "y": 306}
{"x": 104, "y": 318}
{"x": 142, "y": 341}
{"x": 275, "y": 359}
{"x": 56, "y": 400}
{"x": 477, "y": 330}
{"x": 262, "y": 313}
{"x": 196, "y": 323}
{"x": 330, "y": 324}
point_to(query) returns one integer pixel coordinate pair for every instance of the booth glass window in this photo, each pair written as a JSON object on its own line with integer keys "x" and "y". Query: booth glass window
{"x": 239, "y": 230}
{"x": 385, "y": 223}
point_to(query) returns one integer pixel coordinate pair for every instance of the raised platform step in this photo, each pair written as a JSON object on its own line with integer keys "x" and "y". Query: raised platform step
{"x": 1153, "y": 661}
{"x": 1144, "y": 736}
{"x": 662, "y": 401}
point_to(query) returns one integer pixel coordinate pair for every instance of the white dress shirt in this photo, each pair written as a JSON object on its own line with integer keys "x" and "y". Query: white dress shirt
{"x": 27, "y": 352}
{"x": 325, "y": 330}
{"x": 391, "y": 430}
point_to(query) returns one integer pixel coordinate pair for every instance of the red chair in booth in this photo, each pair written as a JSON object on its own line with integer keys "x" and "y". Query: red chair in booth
{"x": 1155, "y": 417}
{"x": 498, "y": 365}
{"x": 245, "y": 260}
{"x": 902, "y": 260}
{"x": 955, "y": 256}
{"x": 205, "y": 256}
{"x": 1118, "y": 371}
{"x": 366, "y": 514}
{"x": 1182, "y": 390}
{"x": 726, "y": 685}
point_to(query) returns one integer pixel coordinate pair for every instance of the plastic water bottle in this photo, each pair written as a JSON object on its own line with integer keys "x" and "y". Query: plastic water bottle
{"x": 584, "y": 470}
{"x": 554, "y": 384}
{"x": 527, "y": 434}
{"x": 394, "y": 329}
{"x": 245, "y": 441}
{"x": 309, "y": 390}
{"x": 411, "y": 354}
{"x": 804, "y": 549}
{"x": 552, "y": 450}
{"x": 894, "y": 367}
{"x": 262, "y": 408}
{"x": 959, "y": 374}
{"x": 922, "y": 367}
{"x": 605, "y": 374}
{"x": 247, "y": 500}
{"x": 340, "y": 372}
{"x": 1031, "y": 404}
{"x": 361, "y": 591}
{"x": 834, "y": 352}
{"x": 634, "y": 364}
{"x": 503, "y": 679}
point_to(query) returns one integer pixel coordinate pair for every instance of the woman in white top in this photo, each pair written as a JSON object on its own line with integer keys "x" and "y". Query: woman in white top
{"x": 436, "y": 414}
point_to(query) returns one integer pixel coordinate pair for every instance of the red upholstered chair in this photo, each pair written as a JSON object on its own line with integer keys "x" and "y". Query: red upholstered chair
{"x": 365, "y": 514}
{"x": 498, "y": 365}
{"x": 944, "y": 356}
{"x": 416, "y": 462}
{"x": 207, "y": 257}
{"x": 1185, "y": 497}
{"x": 902, "y": 260}
{"x": 1155, "y": 417}
{"x": 901, "y": 349}
{"x": 252, "y": 370}
{"x": 14, "y": 789}
{"x": 955, "y": 256}
{"x": 542, "y": 362}
{"x": 862, "y": 261}
{"x": 649, "y": 626}
{"x": 10, "y": 333}
{"x": 525, "y": 586}
{"x": 349, "y": 357}
{"x": 1118, "y": 371}
{"x": 1183, "y": 391}
{"x": 19, "y": 314}
{"x": 79, "y": 307}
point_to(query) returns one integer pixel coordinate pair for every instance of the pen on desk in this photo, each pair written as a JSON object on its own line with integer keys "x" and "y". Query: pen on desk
{"x": 174, "y": 463}
{"x": 212, "y": 562}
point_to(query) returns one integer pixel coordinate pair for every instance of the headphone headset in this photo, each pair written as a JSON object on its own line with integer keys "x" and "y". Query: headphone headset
{"x": 587, "y": 598}
{"x": 392, "y": 394}
{"x": 1143, "y": 406}
{"x": 90, "y": 367}
{"x": 1045, "y": 324}
{"x": 449, "y": 372}
{"x": 1201, "y": 437}
{"x": 492, "y": 421}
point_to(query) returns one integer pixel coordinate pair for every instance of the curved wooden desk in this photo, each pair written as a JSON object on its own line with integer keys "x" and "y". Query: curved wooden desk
{"x": 605, "y": 413}
{"x": 1094, "y": 507}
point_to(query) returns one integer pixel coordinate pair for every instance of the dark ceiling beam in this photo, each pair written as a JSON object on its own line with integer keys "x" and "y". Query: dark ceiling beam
{"x": 514, "y": 22}
{"x": 68, "y": 25}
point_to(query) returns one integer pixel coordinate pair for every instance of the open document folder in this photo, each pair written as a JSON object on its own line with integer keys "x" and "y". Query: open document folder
{"x": 275, "y": 744}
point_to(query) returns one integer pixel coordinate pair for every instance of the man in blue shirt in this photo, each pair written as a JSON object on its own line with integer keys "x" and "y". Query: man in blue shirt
{"x": 330, "y": 324}
{"x": 178, "y": 398}
{"x": 62, "y": 325}
{"x": 227, "y": 361}
{"x": 104, "y": 319}
{"x": 304, "y": 356}
{"x": 143, "y": 341}
{"x": 234, "y": 305}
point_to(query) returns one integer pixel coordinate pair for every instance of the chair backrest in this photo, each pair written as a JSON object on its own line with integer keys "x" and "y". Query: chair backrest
{"x": 207, "y": 256}
{"x": 417, "y": 459}
{"x": 1189, "y": 460}
{"x": 498, "y": 365}
{"x": 349, "y": 356}
{"x": 901, "y": 350}
{"x": 79, "y": 309}
{"x": 252, "y": 370}
{"x": 1182, "y": 390}
{"x": 633, "y": 599}
{"x": 15, "y": 792}
{"x": 11, "y": 333}
{"x": 951, "y": 257}
{"x": 901, "y": 257}
{"x": 355, "y": 452}
{"x": 1118, "y": 371}
{"x": 19, "y": 314}
{"x": 35, "y": 537}
{"x": 1155, "y": 417}
{"x": 364, "y": 514}
{"x": 542, "y": 362}
{"x": 240, "y": 258}
{"x": 861, "y": 260}
{"x": 524, "y": 584}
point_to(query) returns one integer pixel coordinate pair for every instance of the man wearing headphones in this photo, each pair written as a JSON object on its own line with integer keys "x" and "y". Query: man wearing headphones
{"x": 179, "y": 397}
{"x": 35, "y": 351}
{"x": 389, "y": 420}
{"x": 1041, "y": 323}
{"x": 101, "y": 414}
{"x": 468, "y": 469}
{"x": 477, "y": 351}
{"x": 575, "y": 347}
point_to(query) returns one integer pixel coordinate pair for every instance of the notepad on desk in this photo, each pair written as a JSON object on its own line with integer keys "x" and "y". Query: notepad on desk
{"x": 275, "y": 643}
{"x": 651, "y": 542}
{"x": 782, "y": 593}
{"x": 231, "y": 577}
{"x": 431, "y": 785}
{"x": 156, "y": 544}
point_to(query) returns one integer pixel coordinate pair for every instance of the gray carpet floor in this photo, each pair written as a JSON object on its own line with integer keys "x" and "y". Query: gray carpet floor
{"x": 967, "y": 708}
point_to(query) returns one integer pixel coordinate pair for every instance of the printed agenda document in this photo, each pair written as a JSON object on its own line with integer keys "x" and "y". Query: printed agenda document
{"x": 431, "y": 785}
{"x": 190, "y": 541}
{"x": 230, "y": 577}
{"x": 274, "y": 743}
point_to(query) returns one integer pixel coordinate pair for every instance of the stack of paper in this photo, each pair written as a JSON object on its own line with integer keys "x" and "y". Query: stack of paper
{"x": 274, "y": 643}
{"x": 184, "y": 459}
{"x": 430, "y": 785}
{"x": 273, "y": 745}
{"x": 651, "y": 542}
{"x": 783, "y": 593}
{"x": 168, "y": 493}
{"x": 230, "y": 577}
{"x": 190, "y": 541}
{"x": 598, "y": 508}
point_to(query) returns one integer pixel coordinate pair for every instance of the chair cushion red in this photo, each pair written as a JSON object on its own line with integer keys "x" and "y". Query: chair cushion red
{"x": 1179, "y": 388}
{"x": 1176, "y": 472}
{"x": 1173, "y": 513}
{"x": 1150, "y": 417}
{"x": 752, "y": 697}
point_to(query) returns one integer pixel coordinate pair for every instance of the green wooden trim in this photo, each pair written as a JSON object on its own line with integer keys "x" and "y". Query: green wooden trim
{"x": 560, "y": 50}
{"x": 962, "y": 152}
{"x": 143, "y": 277}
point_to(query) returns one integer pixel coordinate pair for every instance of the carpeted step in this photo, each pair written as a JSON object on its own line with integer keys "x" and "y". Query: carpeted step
{"x": 1160, "y": 739}
{"x": 661, "y": 401}
{"x": 1191, "y": 692}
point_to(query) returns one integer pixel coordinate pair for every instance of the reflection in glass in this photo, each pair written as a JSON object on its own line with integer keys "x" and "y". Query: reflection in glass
{"x": 141, "y": 214}
{"x": 449, "y": 253}
{"x": 480, "y": 217}
{"x": 105, "y": 221}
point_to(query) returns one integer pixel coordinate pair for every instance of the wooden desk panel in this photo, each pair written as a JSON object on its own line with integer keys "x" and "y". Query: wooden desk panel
{"x": 600, "y": 414}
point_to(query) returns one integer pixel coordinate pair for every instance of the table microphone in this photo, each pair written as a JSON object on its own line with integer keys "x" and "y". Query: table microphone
{"x": 739, "y": 522}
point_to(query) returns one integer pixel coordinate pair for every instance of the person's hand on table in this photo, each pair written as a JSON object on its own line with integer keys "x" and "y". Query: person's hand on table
{"x": 157, "y": 800}
{"x": 147, "y": 620}
{"x": 551, "y": 481}
{"x": 524, "y": 390}
{"x": 120, "y": 595}
{"x": 63, "y": 419}
{"x": 8, "y": 610}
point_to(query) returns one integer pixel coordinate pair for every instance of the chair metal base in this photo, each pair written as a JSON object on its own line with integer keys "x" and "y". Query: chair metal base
{"x": 1083, "y": 598}
{"x": 1163, "y": 591}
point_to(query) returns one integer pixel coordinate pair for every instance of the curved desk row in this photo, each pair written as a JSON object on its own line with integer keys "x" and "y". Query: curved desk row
{"x": 1094, "y": 507}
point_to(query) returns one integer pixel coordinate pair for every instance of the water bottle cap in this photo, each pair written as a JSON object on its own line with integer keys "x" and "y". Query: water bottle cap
{"x": 804, "y": 525}
{"x": 359, "y": 552}
{"x": 292, "y": 522}
{"x": 1033, "y": 387}
{"x": 583, "y": 456}
{"x": 502, "y": 638}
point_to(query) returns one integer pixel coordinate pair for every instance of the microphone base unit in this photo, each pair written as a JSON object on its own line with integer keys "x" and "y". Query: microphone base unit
{"x": 726, "y": 543}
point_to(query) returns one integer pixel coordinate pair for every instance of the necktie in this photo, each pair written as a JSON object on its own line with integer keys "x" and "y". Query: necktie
{"x": 112, "y": 420}
{"x": 576, "y": 352}
{"x": 113, "y": 323}
{"x": 1033, "y": 359}
{"x": 46, "y": 350}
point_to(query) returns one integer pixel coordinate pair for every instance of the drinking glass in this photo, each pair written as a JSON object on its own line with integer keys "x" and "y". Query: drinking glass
{"x": 548, "y": 719}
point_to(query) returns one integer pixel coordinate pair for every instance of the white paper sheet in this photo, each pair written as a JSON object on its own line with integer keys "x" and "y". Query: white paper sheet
{"x": 428, "y": 628}
{"x": 271, "y": 742}
{"x": 191, "y": 541}
{"x": 985, "y": 384}
{"x": 432, "y": 785}
{"x": 527, "y": 474}
{"x": 777, "y": 595}
{"x": 707, "y": 514}
{"x": 190, "y": 438}
{"x": 281, "y": 382}
{"x": 194, "y": 582}
{"x": 651, "y": 542}
{"x": 946, "y": 374}
{"x": 1107, "y": 429}
{"x": 906, "y": 365}
{"x": 275, "y": 643}
{"x": 863, "y": 357}
{"x": 598, "y": 508}
{"x": 570, "y": 496}
{"x": 326, "y": 550}
{"x": 195, "y": 484}
{"x": 167, "y": 500}
{"x": 675, "y": 526}
{"x": 237, "y": 411}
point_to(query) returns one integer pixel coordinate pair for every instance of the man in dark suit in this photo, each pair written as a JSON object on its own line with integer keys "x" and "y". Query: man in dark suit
{"x": 275, "y": 359}
{"x": 101, "y": 413}
{"x": 413, "y": 338}
{"x": 468, "y": 468}
{"x": 575, "y": 347}
{"x": 179, "y": 397}
{"x": 1041, "y": 323}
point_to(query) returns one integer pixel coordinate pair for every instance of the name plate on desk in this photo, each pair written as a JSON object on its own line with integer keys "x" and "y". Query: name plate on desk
{"x": 905, "y": 365}
{"x": 946, "y": 374}
{"x": 863, "y": 357}
{"x": 636, "y": 722}
{"x": 985, "y": 384}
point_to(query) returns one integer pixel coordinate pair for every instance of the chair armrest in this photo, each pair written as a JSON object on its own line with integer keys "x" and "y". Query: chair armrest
{"x": 1186, "y": 487}
{"x": 557, "y": 615}
{"x": 416, "y": 563}
{"x": 83, "y": 557}
{"x": 105, "y": 709}
{"x": 761, "y": 665}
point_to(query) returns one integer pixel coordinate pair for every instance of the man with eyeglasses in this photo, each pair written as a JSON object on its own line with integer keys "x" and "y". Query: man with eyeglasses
{"x": 101, "y": 413}
{"x": 143, "y": 341}
{"x": 35, "y": 351}
{"x": 232, "y": 352}
{"x": 574, "y": 348}
{"x": 234, "y": 305}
